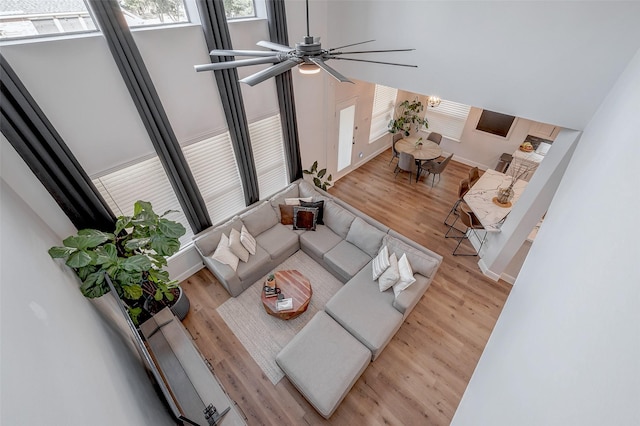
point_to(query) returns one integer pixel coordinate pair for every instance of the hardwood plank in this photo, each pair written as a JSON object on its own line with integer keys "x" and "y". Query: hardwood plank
{"x": 421, "y": 375}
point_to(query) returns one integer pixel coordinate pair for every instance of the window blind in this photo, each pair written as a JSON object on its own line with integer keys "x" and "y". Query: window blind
{"x": 145, "y": 180}
{"x": 268, "y": 154}
{"x": 213, "y": 165}
{"x": 448, "y": 118}
{"x": 384, "y": 101}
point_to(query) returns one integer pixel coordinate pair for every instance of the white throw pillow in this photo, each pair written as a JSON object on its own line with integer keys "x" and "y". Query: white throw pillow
{"x": 391, "y": 275}
{"x": 380, "y": 263}
{"x": 296, "y": 201}
{"x": 406, "y": 276}
{"x": 223, "y": 253}
{"x": 236, "y": 245}
{"x": 247, "y": 240}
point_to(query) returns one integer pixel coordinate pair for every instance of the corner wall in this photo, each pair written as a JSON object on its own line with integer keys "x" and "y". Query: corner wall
{"x": 63, "y": 362}
{"x": 565, "y": 349}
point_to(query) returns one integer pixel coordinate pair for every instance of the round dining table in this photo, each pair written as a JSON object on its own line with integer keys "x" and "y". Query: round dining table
{"x": 427, "y": 151}
{"x": 421, "y": 153}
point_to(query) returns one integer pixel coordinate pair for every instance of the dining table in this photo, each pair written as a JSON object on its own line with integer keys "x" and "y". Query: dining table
{"x": 481, "y": 198}
{"x": 424, "y": 152}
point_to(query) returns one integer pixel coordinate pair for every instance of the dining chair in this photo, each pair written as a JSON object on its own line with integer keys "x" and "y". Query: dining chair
{"x": 435, "y": 137}
{"x": 436, "y": 168}
{"x": 407, "y": 163}
{"x": 474, "y": 175}
{"x": 472, "y": 223}
{"x": 394, "y": 151}
{"x": 463, "y": 187}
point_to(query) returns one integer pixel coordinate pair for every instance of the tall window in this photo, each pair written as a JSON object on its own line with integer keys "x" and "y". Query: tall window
{"x": 448, "y": 118}
{"x": 153, "y": 12}
{"x": 28, "y": 18}
{"x": 384, "y": 102}
{"x": 145, "y": 180}
{"x": 268, "y": 154}
{"x": 215, "y": 170}
{"x": 236, "y": 9}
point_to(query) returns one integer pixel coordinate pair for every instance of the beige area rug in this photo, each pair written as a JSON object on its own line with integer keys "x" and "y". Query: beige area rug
{"x": 262, "y": 335}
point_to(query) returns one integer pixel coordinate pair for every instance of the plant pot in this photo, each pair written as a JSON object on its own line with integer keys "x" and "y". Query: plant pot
{"x": 505, "y": 195}
{"x": 180, "y": 306}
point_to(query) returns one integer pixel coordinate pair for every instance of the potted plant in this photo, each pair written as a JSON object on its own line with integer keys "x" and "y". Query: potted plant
{"x": 318, "y": 175}
{"x": 407, "y": 115}
{"x": 134, "y": 257}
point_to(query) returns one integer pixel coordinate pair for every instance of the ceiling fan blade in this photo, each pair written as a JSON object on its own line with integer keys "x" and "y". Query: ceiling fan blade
{"x": 274, "y": 46}
{"x": 240, "y": 53}
{"x": 272, "y": 71}
{"x": 235, "y": 64}
{"x": 374, "y": 62}
{"x": 373, "y": 51}
{"x": 349, "y": 45}
{"x": 319, "y": 62}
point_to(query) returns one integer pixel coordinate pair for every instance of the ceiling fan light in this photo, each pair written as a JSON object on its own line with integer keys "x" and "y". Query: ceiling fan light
{"x": 308, "y": 68}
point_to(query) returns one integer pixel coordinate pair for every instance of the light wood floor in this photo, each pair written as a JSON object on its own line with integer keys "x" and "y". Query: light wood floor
{"x": 421, "y": 375}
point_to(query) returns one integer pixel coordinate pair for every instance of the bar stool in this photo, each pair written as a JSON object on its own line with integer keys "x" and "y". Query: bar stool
{"x": 472, "y": 223}
{"x": 463, "y": 187}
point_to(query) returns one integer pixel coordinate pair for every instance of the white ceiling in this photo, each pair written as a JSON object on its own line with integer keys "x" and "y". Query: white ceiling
{"x": 548, "y": 61}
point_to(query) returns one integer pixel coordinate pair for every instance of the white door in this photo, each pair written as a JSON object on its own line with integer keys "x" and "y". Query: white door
{"x": 346, "y": 125}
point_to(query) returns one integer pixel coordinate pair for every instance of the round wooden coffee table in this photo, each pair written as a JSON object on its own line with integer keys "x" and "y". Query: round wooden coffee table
{"x": 293, "y": 285}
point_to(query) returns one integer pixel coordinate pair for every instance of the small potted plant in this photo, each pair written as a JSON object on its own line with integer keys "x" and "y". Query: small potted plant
{"x": 318, "y": 175}
{"x": 271, "y": 281}
{"x": 134, "y": 257}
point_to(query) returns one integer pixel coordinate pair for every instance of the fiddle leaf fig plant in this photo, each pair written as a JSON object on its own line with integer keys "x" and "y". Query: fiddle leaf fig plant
{"x": 408, "y": 115}
{"x": 318, "y": 176}
{"x": 133, "y": 256}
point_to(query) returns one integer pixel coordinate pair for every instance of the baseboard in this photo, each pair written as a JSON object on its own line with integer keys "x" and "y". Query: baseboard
{"x": 508, "y": 278}
{"x": 487, "y": 272}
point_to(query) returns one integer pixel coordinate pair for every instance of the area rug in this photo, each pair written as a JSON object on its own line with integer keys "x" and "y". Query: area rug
{"x": 262, "y": 335}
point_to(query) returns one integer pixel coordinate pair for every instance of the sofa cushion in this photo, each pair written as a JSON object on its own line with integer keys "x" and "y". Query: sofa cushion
{"x": 289, "y": 192}
{"x": 406, "y": 276}
{"x": 286, "y": 214}
{"x": 408, "y": 298}
{"x": 380, "y": 262}
{"x": 305, "y": 218}
{"x": 391, "y": 275}
{"x": 317, "y": 204}
{"x": 247, "y": 240}
{"x": 365, "y": 312}
{"x": 255, "y": 263}
{"x": 259, "y": 219}
{"x": 346, "y": 260}
{"x": 223, "y": 253}
{"x": 364, "y": 236}
{"x": 421, "y": 263}
{"x": 323, "y": 361}
{"x": 338, "y": 218}
{"x": 307, "y": 189}
{"x": 277, "y": 240}
{"x": 319, "y": 242}
{"x": 208, "y": 241}
{"x": 235, "y": 245}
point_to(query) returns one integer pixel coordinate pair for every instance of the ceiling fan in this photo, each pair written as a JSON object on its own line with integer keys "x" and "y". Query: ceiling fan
{"x": 308, "y": 55}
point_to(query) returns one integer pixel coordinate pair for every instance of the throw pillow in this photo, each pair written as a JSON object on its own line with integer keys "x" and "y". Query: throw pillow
{"x": 406, "y": 276}
{"x": 305, "y": 218}
{"x": 380, "y": 263}
{"x": 286, "y": 214}
{"x": 247, "y": 240}
{"x": 297, "y": 201}
{"x": 391, "y": 275}
{"x": 236, "y": 247}
{"x": 319, "y": 205}
{"x": 223, "y": 253}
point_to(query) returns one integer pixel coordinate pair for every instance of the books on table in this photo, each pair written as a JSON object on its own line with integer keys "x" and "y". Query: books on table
{"x": 284, "y": 304}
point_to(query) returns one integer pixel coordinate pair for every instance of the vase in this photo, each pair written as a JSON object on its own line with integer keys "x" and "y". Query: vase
{"x": 505, "y": 194}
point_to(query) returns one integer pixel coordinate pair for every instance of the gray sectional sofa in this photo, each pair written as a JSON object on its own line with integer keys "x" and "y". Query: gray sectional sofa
{"x": 344, "y": 245}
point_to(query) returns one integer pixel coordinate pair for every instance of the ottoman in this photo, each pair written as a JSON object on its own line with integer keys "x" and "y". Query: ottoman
{"x": 323, "y": 361}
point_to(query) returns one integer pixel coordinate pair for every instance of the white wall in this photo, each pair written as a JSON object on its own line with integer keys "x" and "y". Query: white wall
{"x": 62, "y": 362}
{"x": 565, "y": 349}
